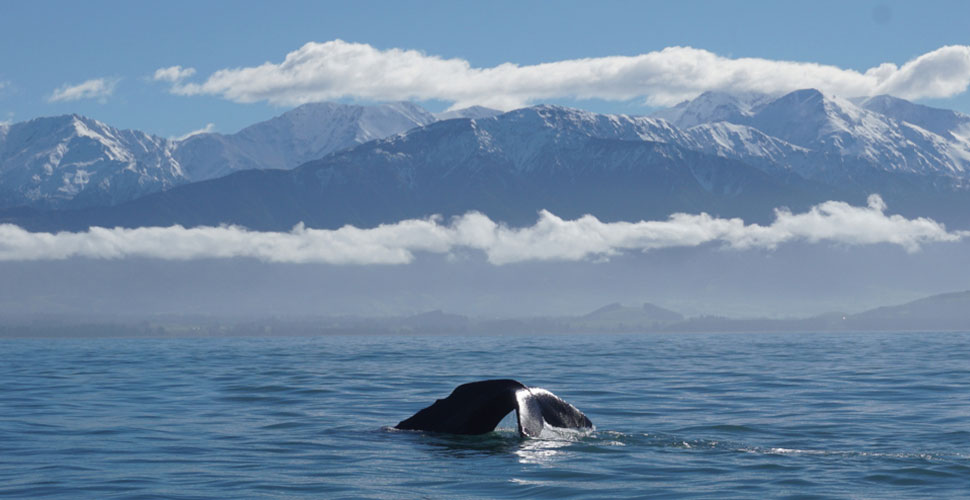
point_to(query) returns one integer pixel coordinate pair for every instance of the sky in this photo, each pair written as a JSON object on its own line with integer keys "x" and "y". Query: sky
{"x": 170, "y": 68}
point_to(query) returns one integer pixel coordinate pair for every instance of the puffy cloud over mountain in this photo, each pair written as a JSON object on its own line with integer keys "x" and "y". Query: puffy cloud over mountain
{"x": 339, "y": 69}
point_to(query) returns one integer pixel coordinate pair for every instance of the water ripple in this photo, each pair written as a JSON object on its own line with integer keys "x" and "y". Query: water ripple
{"x": 693, "y": 416}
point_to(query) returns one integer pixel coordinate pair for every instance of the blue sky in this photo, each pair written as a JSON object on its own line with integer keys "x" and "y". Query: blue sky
{"x": 51, "y": 48}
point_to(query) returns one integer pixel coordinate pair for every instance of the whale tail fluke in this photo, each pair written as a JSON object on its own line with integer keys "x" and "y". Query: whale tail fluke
{"x": 558, "y": 413}
{"x": 477, "y": 407}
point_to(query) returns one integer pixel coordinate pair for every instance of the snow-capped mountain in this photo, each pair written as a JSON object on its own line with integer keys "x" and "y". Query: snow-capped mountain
{"x": 731, "y": 155}
{"x": 527, "y": 137}
{"x": 864, "y": 140}
{"x": 509, "y": 166}
{"x": 748, "y": 144}
{"x": 835, "y": 140}
{"x": 714, "y": 106}
{"x": 938, "y": 121}
{"x": 76, "y": 161}
{"x": 716, "y": 123}
{"x": 305, "y": 133}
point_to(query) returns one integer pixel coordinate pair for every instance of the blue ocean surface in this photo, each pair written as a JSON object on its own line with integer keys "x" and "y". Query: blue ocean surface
{"x": 677, "y": 416}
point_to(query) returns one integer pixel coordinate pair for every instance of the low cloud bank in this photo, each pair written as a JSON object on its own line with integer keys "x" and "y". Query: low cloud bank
{"x": 551, "y": 238}
{"x": 339, "y": 69}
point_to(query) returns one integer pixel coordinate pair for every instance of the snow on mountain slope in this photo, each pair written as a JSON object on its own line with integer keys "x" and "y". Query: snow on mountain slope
{"x": 75, "y": 161}
{"x": 831, "y": 139}
{"x": 305, "y": 133}
{"x": 936, "y": 120}
{"x": 811, "y": 119}
{"x": 861, "y": 138}
{"x": 748, "y": 144}
{"x": 526, "y": 138}
{"x": 528, "y": 131}
{"x": 572, "y": 162}
{"x": 873, "y": 144}
{"x": 714, "y": 106}
{"x": 510, "y": 167}
{"x": 550, "y": 149}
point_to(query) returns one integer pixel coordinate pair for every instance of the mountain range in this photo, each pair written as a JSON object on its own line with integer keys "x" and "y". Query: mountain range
{"x": 943, "y": 312}
{"x": 726, "y": 154}
{"x": 73, "y": 161}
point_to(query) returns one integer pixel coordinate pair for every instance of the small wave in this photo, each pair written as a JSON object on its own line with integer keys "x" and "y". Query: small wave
{"x": 552, "y": 433}
{"x": 615, "y": 438}
{"x": 790, "y": 451}
{"x": 728, "y": 428}
{"x": 851, "y": 453}
{"x": 284, "y": 425}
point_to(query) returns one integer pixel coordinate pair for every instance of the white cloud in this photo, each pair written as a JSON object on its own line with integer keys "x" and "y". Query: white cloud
{"x": 98, "y": 88}
{"x": 944, "y": 72}
{"x": 173, "y": 74}
{"x": 338, "y": 69}
{"x": 209, "y": 128}
{"x": 551, "y": 238}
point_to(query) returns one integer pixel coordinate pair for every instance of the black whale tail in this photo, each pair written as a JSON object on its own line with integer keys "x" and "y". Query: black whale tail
{"x": 477, "y": 407}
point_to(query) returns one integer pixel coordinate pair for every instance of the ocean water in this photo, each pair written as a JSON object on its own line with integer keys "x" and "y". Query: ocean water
{"x": 677, "y": 416}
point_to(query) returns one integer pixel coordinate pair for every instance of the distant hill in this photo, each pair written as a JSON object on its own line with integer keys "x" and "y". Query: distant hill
{"x": 945, "y": 312}
{"x": 616, "y": 317}
{"x": 949, "y": 311}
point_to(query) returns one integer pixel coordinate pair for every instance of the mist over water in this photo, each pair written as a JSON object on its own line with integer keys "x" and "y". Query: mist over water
{"x": 678, "y": 416}
{"x": 792, "y": 280}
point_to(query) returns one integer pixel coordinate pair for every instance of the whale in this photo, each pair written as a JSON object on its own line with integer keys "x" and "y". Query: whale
{"x": 477, "y": 407}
